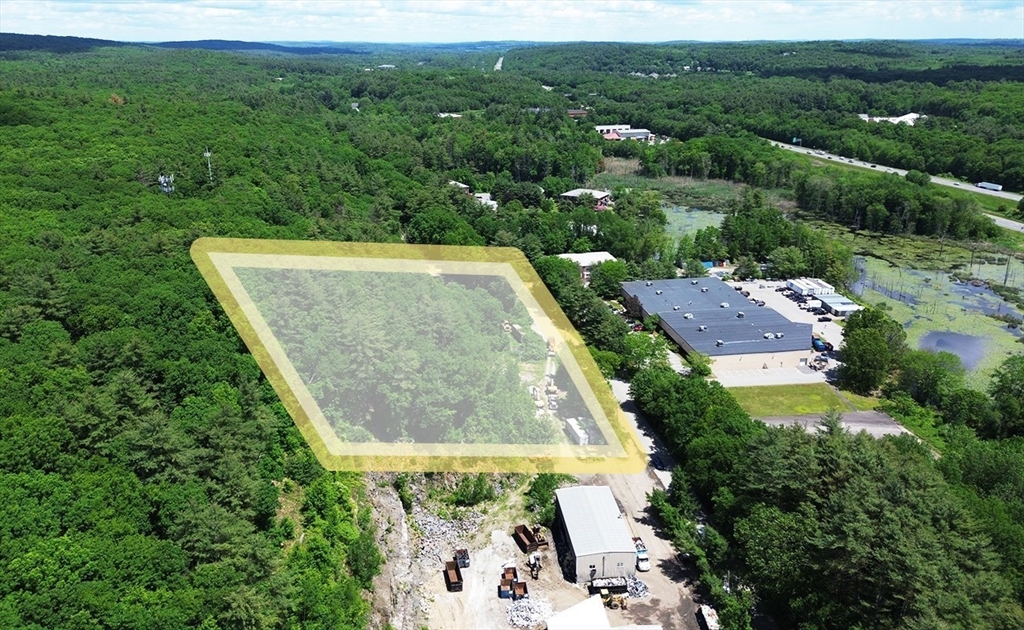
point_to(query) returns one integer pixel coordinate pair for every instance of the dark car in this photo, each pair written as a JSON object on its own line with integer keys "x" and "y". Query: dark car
{"x": 824, "y": 319}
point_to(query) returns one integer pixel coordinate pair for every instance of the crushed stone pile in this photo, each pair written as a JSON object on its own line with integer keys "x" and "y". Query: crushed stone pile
{"x": 440, "y": 536}
{"x": 636, "y": 588}
{"x": 528, "y": 613}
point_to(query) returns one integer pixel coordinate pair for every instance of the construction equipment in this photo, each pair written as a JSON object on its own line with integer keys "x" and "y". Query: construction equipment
{"x": 534, "y": 564}
{"x": 612, "y": 600}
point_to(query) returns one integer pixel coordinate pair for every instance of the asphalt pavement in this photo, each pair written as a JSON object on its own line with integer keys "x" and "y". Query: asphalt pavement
{"x": 875, "y": 423}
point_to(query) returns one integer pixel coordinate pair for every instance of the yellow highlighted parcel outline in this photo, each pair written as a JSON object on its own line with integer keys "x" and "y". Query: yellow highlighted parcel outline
{"x": 217, "y": 258}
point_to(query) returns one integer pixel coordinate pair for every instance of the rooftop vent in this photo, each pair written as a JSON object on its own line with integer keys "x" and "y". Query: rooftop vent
{"x": 780, "y": 335}
{"x": 702, "y": 328}
{"x": 719, "y": 343}
{"x": 675, "y": 308}
{"x": 687, "y": 315}
{"x": 649, "y": 283}
{"x": 658, "y": 292}
{"x": 767, "y": 335}
{"x": 724, "y": 305}
{"x": 740, "y": 315}
{"x": 693, "y": 282}
{"x": 703, "y": 289}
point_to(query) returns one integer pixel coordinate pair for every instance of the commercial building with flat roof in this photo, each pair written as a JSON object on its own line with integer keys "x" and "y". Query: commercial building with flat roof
{"x": 810, "y": 286}
{"x": 838, "y": 305}
{"x": 600, "y": 545}
{"x": 708, "y": 316}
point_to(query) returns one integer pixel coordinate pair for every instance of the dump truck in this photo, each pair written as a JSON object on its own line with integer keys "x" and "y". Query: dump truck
{"x": 643, "y": 561}
{"x": 452, "y": 576}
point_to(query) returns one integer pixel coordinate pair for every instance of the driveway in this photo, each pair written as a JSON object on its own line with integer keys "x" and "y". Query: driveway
{"x": 770, "y": 376}
{"x": 671, "y": 600}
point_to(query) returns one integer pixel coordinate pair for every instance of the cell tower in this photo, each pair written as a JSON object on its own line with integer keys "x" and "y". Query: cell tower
{"x": 209, "y": 168}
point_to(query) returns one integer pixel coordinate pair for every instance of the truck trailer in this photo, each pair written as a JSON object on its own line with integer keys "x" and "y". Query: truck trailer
{"x": 989, "y": 186}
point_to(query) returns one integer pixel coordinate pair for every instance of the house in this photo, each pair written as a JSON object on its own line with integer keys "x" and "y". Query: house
{"x": 602, "y": 197}
{"x": 587, "y": 261}
{"x": 577, "y": 113}
{"x": 485, "y": 199}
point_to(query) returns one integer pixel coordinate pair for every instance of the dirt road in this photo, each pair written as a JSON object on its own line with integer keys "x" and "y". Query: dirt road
{"x": 671, "y": 601}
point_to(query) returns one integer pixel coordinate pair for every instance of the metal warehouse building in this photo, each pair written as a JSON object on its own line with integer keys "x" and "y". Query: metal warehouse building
{"x": 600, "y": 545}
{"x": 838, "y": 305}
{"x": 706, "y": 315}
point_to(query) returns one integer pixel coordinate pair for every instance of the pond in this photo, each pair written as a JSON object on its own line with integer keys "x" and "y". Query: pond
{"x": 969, "y": 348}
{"x": 684, "y": 220}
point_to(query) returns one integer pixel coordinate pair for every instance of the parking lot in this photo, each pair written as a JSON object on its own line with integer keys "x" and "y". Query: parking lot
{"x": 766, "y": 291}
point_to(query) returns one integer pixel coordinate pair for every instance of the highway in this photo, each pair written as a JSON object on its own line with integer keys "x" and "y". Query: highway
{"x": 941, "y": 181}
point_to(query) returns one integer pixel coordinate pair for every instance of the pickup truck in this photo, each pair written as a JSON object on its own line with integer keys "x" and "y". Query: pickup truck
{"x": 643, "y": 561}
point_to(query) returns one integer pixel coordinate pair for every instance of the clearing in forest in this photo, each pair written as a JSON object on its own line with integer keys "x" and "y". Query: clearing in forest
{"x": 413, "y": 357}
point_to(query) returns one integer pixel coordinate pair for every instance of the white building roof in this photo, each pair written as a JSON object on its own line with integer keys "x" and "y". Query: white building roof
{"x": 589, "y": 613}
{"x": 596, "y": 194}
{"x": 593, "y": 521}
{"x": 588, "y": 259}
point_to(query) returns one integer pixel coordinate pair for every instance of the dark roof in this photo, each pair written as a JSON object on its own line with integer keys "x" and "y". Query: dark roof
{"x": 740, "y": 335}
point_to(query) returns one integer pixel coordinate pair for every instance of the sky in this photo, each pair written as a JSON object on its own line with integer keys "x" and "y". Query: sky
{"x": 394, "y": 21}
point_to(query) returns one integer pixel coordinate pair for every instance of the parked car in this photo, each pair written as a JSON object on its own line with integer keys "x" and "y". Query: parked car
{"x": 824, "y": 319}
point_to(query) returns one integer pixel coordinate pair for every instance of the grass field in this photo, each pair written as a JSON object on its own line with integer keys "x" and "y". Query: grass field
{"x": 789, "y": 400}
{"x": 861, "y": 403}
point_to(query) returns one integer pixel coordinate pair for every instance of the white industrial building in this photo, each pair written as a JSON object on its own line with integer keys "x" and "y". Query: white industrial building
{"x": 603, "y": 129}
{"x": 600, "y": 545}
{"x": 838, "y": 305}
{"x": 810, "y": 286}
{"x": 587, "y": 261}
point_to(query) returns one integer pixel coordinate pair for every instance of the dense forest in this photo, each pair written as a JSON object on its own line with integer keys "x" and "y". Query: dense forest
{"x": 971, "y": 96}
{"x": 406, "y": 357}
{"x": 147, "y": 465}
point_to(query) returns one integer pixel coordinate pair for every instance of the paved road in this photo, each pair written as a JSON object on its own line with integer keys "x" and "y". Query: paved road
{"x": 942, "y": 181}
{"x": 875, "y": 423}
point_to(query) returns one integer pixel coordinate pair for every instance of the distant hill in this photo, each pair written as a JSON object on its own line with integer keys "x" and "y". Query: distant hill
{"x": 53, "y": 43}
{"x": 238, "y": 46}
{"x": 59, "y": 44}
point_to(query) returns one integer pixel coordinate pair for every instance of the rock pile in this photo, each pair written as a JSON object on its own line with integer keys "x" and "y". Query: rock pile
{"x": 636, "y": 588}
{"x": 528, "y": 613}
{"x": 441, "y": 536}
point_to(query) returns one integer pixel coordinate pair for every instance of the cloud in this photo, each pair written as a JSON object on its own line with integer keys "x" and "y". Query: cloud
{"x": 552, "y": 20}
